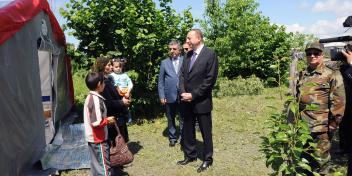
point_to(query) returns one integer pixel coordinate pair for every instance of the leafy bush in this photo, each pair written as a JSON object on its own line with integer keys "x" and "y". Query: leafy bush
{"x": 238, "y": 86}
{"x": 80, "y": 90}
{"x": 137, "y": 30}
{"x": 246, "y": 41}
{"x": 288, "y": 141}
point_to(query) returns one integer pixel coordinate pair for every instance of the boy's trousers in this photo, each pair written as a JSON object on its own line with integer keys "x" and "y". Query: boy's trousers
{"x": 99, "y": 159}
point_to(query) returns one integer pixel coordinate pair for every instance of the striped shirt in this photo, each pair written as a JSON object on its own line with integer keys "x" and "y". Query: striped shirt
{"x": 95, "y": 121}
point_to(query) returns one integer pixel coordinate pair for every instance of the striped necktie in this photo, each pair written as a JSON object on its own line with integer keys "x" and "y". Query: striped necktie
{"x": 193, "y": 59}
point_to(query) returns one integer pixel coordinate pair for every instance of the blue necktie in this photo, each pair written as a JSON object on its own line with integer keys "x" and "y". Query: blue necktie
{"x": 193, "y": 59}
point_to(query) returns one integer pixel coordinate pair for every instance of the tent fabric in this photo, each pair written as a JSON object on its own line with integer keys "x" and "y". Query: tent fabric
{"x": 22, "y": 127}
{"x": 16, "y": 14}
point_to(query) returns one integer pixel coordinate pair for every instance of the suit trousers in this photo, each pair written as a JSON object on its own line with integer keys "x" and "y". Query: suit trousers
{"x": 172, "y": 109}
{"x": 189, "y": 134}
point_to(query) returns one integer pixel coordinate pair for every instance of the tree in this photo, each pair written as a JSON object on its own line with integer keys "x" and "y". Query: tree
{"x": 245, "y": 41}
{"x": 299, "y": 40}
{"x": 135, "y": 29}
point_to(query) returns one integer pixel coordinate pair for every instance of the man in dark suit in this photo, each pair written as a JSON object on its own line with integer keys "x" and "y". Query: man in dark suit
{"x": 197, "y": 78}
{"x": 345, "y": 126}
{"x": 168, "y": 88}
{"x": 348, "y": 70}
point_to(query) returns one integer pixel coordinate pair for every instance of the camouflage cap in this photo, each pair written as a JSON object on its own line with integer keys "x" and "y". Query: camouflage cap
{"x": 314, "y": 45}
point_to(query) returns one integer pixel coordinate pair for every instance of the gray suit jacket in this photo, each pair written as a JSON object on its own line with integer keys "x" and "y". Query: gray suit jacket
{"x": 168, "y": 80}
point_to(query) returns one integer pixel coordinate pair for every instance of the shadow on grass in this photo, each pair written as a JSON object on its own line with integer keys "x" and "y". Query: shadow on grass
{"x": 118, "y": 171}
{"x": 199, "y": 144}
{"x": 134, "y": 147}
{"x": 339, "y": 157}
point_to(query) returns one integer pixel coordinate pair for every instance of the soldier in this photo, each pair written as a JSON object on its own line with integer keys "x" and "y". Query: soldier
{"x": 321, "y": 86}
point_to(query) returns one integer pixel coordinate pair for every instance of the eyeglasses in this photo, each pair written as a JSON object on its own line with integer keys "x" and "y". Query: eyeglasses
{"x": 315, "y": 53}
{"x": 173, "y": 49}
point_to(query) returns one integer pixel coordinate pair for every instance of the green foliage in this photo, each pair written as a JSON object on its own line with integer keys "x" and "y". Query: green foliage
{"x": 81, "y": 90}
{"x": 79, "y": 61}
{"x": 244, "y": 39}
{"x": 280, "y": 73}
{"x": 134, "y": 29}
{"x": 246, "y": 42}
{"x": 287, "y": 141}
{"x": 301, "y": 65}
{"x": 238, "y": 86}
{"x": 299, "y": 40}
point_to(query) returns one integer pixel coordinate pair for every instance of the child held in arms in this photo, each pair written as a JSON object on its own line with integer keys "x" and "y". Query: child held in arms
{"x": 122, "y": 81}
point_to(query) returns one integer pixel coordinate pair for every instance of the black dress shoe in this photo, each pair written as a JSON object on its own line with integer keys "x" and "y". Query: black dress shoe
{"x": 172, "y": 143}
{"x": 204, "y": 166}
{"x": 186, "y": 161}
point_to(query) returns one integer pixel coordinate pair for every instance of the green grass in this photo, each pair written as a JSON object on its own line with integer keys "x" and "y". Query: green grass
{"x": 80, "y": 88}
{"x": 238, "y": 123}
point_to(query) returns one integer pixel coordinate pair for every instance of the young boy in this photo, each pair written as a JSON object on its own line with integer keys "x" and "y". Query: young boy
{"x": 95, "y": 125}
{"x": 122, "y": 81}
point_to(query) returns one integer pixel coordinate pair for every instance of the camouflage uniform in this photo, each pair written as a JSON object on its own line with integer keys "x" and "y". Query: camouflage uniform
{"x": 324, "y": 88}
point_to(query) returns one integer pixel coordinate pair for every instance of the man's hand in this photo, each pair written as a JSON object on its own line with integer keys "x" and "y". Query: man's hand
{"x": 163, "y": 101}
{"x": 186, "y": 97}
{"x": 348, "y": 55}
{"x": 126, "y": 101}
{"x": 111, "y": 120}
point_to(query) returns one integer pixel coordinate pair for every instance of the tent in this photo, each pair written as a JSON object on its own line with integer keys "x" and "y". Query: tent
{"x": 36, "y": 83}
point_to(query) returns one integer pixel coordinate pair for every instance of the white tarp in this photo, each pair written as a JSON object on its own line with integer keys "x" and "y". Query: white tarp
{"x": 69, "y": 150}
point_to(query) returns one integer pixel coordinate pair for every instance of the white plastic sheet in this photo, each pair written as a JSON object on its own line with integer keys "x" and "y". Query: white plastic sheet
{"x": 69, "y": 150}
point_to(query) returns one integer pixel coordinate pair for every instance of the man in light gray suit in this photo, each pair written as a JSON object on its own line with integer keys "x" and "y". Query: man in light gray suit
{"x": 168, "y": 88}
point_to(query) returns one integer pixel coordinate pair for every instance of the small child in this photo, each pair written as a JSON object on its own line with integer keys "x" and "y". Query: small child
{"x": 95, "y": 125}
{"x": 122, "y": 81}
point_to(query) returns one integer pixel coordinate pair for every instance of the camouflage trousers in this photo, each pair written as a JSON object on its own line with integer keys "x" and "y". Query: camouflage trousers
{"x": 322, "y": 155}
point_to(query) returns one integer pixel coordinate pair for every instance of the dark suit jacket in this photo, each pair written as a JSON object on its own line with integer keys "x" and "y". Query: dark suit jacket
{"x": 346, "y": 123}
{"x": 200, "y": 80}
{"x": 168, "y": 80}
{"x": 348, "y": 73}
